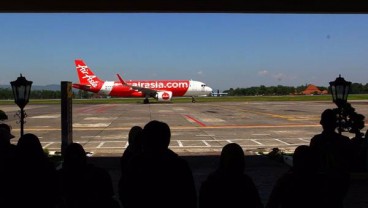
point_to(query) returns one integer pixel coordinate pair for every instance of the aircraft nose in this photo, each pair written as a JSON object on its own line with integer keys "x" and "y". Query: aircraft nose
{"x": 209, "y": 90}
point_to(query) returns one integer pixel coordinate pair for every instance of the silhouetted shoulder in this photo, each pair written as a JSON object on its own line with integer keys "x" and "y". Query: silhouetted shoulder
{"x": 229, "y": 186}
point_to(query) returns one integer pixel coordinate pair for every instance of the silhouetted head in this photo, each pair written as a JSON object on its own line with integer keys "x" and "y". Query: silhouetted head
{"x": 303, "y": 159}
{"x": 135, "y": 136}
{"x": 29, "y": 146}
{"x": 5, "y": 133}
{"x": 156, "y": 136}
{"x": 357, "y": 121}
{"x": 232, "y": 158}
{"x": 74, "y": 156}
{"x": 328, "y": 120}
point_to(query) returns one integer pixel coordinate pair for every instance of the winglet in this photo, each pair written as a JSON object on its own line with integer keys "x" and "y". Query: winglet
{"x": 121, "y": 80}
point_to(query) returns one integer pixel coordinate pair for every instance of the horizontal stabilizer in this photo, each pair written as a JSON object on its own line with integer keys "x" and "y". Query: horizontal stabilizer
{"x": 82, "y": 86}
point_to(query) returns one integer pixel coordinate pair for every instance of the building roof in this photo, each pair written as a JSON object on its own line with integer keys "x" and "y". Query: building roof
{"x": 312, "y": 89}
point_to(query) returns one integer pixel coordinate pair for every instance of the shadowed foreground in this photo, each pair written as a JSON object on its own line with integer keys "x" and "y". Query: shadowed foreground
{"x": 261, "y": 169}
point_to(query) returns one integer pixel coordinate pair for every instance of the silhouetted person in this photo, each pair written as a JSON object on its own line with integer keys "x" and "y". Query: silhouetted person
{"x": 134, "y": 148}
{"x": 301, "y": 186}
{"x": 36, "y": 182}
{"x": 7, "y": 163}
{"x": 229, "y": 186}
{"x": 7, "y": 150}
{"x": 333, "y": 153}
{"x": 359, "y": 143}
{"x": 158, "y": 177}
{"x": 84, "y": 185}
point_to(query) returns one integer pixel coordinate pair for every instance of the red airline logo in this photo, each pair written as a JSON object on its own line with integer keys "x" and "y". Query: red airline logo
{"x": 165, "y": 96}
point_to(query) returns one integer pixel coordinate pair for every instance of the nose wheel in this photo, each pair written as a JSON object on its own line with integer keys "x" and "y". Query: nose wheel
{"x": 193, "y": 100}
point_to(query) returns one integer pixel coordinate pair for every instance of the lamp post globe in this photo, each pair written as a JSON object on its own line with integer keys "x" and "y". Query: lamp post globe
{"x": 340, "y": 91}
{"x": 21, "y": 92}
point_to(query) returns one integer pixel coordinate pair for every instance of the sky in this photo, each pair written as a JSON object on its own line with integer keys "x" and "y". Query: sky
{"x": 223, "y": 50}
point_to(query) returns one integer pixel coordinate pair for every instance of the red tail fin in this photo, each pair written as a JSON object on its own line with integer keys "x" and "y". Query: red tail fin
{"x": 85, "y": 74}
{"x": 121, "y": 80}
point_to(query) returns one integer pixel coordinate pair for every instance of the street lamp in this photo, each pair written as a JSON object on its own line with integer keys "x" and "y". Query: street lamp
{"x": 21, "y": 92}
{"x": 340, "y": 91}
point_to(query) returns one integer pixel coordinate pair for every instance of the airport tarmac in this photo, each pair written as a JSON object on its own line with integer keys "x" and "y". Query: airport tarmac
{"x": 199, "y": 131}
{"x": 196, "y": 128}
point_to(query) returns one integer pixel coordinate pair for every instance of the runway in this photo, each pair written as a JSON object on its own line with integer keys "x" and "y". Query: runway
{"x": 196, "y": 128}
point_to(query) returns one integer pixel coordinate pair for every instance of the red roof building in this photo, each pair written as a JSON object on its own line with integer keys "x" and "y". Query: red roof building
{"x": 313, "y": 90}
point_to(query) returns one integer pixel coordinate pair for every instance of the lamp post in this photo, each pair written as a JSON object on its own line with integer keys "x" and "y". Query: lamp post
{"x": 340, "y": 91}
{"x": 21, "y": 92}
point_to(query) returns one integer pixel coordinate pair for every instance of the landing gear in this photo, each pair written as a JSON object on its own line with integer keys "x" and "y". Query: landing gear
{"x": 193, "y": 100}
{"x": 146, "y": 101}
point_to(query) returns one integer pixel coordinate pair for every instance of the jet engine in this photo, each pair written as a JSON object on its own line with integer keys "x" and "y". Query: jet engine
{"x": 164, "y": 96}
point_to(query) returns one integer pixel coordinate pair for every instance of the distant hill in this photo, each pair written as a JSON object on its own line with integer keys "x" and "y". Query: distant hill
{"x": 53, "y": 87}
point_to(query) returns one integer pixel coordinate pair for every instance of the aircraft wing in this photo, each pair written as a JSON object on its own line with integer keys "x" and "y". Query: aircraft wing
{"x": 146, "y": 91}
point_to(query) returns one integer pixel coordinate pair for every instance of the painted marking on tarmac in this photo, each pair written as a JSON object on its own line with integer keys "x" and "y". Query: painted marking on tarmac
{"x": 257, "y": 142}
{"x": 96, "y": 125}
{"x": 206, "y": 143}
{"x": 165, "y": 111}
{"x": 47, "y": 145}
{"x": 100, "y": 118}
{"x": 87, "y": 127}
{"x": 205, "y": 135}
{"x": 96, "y": 108}
{"x": 282, "y": 141}
{"x": 261, "y": 134}
{"x": 304, "y": 140}
{"x": 269, "y": 114}
{"x": 86, "y": 137}
{"x": 104, "y": 137}
{"x": 178, "y": 109}
{"x": 213, "y": 120}
{"x": 100, "y": 145}
{"x": 195, "y": 120}
{"x": 41, "y": 127}
{"x": 180, "y": 143}
{"x": 47, "y": 116}
{"x": 254, "y": 126}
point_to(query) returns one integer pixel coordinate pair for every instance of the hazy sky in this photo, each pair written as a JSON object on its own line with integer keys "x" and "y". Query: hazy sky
{"x": 222, "y": 50}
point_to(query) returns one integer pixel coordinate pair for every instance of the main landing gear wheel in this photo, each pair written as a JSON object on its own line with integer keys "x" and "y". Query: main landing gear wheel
{"x": 145, "y": 101}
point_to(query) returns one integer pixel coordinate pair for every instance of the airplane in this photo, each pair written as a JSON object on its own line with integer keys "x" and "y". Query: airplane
{"x": 161, "y": 90}
{"x": 218, "y": 93}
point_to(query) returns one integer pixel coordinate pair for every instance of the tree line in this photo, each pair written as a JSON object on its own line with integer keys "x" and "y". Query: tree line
{"x": 7, "y": 94}
{"x": 356, "y": 88}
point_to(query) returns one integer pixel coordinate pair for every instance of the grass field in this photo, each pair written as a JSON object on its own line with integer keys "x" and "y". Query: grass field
{"x": 199, "y": 99}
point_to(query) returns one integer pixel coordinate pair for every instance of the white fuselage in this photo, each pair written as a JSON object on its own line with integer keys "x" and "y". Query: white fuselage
{"x": 197, "y": 88}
